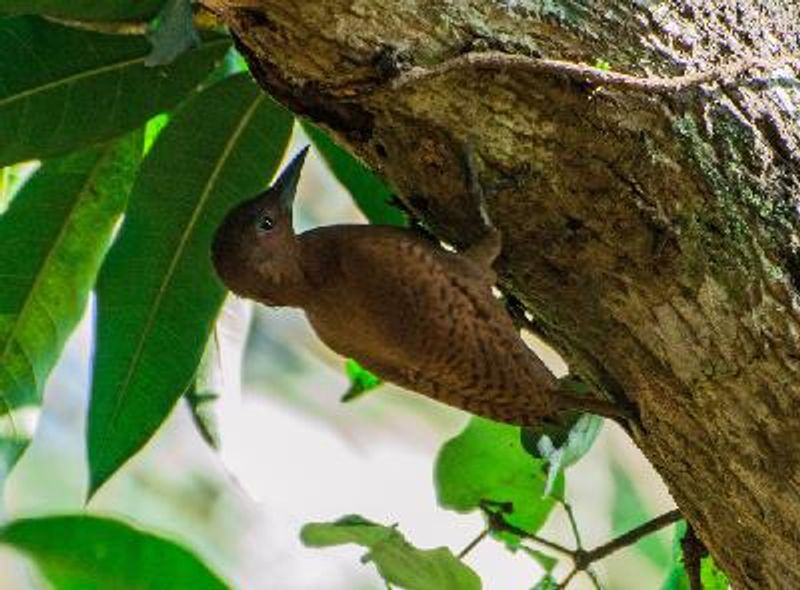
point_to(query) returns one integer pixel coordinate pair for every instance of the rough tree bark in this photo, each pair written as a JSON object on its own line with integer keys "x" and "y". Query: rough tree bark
{"x": 651, "y": 229}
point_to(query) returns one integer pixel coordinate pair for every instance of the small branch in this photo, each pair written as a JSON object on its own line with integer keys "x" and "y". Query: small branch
{"x": 498, "y": 523}
{"x": 474, "y": 543}
{"x": 628, "y": 538}
{"x": 565, "y": 582}
{"x": 593, "y": 577}
{"x": 693, "y": 552}
{"x": 496, "y": 60}
{"x": 572, "y": 523}
{"x": 580, "y": 557}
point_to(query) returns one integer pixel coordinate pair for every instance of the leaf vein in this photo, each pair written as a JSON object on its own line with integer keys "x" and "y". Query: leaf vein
{"x": 185, "y": 236}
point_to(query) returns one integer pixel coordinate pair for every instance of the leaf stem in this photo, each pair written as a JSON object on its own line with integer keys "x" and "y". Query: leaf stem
{"x": 498, "y": 523}
{"x": 474, "y": 543}
{"x": 572, "y": 523}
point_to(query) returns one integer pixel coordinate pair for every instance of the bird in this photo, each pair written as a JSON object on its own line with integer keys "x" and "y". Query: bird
{"x": 408, "y": 310}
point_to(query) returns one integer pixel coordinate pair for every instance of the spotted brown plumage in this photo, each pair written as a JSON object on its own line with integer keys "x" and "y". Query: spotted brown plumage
{"x": 411, "y": 312}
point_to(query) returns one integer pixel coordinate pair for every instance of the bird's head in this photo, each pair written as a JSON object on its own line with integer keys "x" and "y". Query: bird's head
{"x": 255, "y": 249}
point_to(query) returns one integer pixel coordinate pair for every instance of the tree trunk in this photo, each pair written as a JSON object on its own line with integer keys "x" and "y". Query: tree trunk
{"x": 650, "y": 226}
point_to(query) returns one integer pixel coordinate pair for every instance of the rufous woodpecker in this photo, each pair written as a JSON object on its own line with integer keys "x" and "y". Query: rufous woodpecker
{"x": 409, "y": 311}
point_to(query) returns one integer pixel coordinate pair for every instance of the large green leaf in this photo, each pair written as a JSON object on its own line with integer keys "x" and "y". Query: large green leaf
{"x": 91, "y": 553}
{"x": 367, "y": 189}
{"x": 157, "y": 293}
{"x": 84, "y": 9}
{"x": 62, "y": 88}
{"x": 487, "y": 465}
{"x": 398, "y": 561}
{"x": 53, "y": 239}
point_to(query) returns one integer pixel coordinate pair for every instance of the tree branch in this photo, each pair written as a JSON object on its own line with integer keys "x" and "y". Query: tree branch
{"x": 582, "y": 558}
{"x": 652, "y": 234}
{"x": 724, "y": 74}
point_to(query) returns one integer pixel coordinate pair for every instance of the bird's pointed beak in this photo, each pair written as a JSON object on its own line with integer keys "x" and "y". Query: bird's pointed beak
{"x": 285, "y": 187}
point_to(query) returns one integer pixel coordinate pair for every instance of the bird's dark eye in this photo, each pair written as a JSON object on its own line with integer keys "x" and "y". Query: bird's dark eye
{"x": 265, "y": 223}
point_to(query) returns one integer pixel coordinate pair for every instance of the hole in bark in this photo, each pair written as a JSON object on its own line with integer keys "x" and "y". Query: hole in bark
{"x": 251, "y": 18}
{"x": 418, "y": 202}
{"x": 574, "y": 224}
{"x": 792, "y": 264}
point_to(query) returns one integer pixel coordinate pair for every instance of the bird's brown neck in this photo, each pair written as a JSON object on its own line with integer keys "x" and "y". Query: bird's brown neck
{"x": 283, "y": 282}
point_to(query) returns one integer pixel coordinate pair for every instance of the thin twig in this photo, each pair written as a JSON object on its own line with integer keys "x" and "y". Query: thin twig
{"x": 629, "y": 538}
{"x": 581, "y": 557}
{"x": 593, "y": 577}
{"x": 474, "y": 543}
{"x": 573, "y": 524}
{"x": 497, "y": 60}
{"x": 498, "y": 523}
{"x": 693, "y": 552}
{"x": 565, "y": 582}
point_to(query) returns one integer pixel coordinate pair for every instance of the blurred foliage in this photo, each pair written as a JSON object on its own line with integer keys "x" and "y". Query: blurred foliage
{"x": 486, "y": 467}
{"x": 711, "y": 577}
{"x": 627, "y": 511}
{"x": 561, "y": 445}
{"x": 89, "y": 10}
{"x": 90, "y": 553}
{"x": 174, "y": 33}
{"x": 398, "y": 562}
{"x": 361, "y": 380}
{"x": 184, "y": 134}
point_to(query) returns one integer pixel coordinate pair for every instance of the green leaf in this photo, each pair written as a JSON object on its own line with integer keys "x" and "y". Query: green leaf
{"x": 548, "y": 562}
{"x": 398, "y": 562}
{"x": 547, "y": 582}
{"x": 486, "y": 463}
{"x": 90, "y": 553}
{"x": 202, "y": 405}
{"x": 64, "y": 88}
{"x": 11, "y": 179}
{"x": 361, "y": 380}
{"x": 628, "y": 511}
{"x": 158, "y": 294}
{"x": 54, "y": 237}
{"x": 561, "y": 446}
{"x": 369, "y": 192}
{"x": 175, "y": 33}
{"x": 12, "y": 447}
{"x": 153, "y": 128}
{"x": 711, "y": 577}
{"x": 85, "y": 9}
